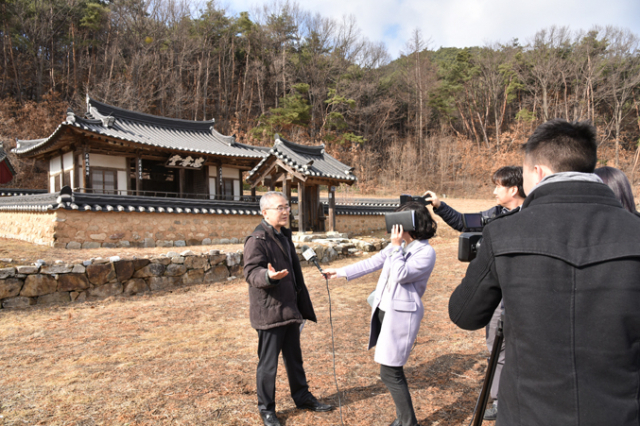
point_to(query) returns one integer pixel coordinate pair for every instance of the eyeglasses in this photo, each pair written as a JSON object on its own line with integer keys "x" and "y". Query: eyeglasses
{"x": 281, "y": 209}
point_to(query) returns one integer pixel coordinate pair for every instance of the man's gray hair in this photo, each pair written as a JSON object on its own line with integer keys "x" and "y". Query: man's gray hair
{"x": 266, "y": 198}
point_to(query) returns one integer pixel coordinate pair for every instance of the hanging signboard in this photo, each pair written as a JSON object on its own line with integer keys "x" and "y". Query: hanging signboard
{"x": 179, "y": 162}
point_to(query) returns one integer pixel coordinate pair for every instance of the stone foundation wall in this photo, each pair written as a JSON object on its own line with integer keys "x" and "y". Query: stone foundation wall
{"x": 121, "y": 229}
{"x": 44, "y": 284}
{"x": 37, "y": 228}
{"x": 74, "y": 229}
{"x": 364, "y": 224}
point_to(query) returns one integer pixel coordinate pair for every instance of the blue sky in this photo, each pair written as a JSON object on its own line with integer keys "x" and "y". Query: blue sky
{"x": 462, "y": 23}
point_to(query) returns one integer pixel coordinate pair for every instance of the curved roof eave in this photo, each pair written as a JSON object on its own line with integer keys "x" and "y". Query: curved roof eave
{"x": 106, "y": 110}
{"x": 40, "y": 144}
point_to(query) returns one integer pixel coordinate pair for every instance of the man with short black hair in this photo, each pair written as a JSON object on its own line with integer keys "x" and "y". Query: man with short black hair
{"x": 279, "y": 303}
{"x": 509, "y": 194}
{"x": 567, "y": 268}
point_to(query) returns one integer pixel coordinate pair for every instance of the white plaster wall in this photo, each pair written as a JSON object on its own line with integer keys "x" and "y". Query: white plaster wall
{"x": 122, "y": 181}
{"x": 54, "y": 165}
{"x": 99, "y": 160}
{"x": 230, "y": 172}
{"x": 213, "y": 184}
{"x": 236, "y": 189}
{"x": 67, "y": 161}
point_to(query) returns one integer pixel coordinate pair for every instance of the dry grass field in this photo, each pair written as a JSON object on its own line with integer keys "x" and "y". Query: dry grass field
{"x": 188, "y": 357}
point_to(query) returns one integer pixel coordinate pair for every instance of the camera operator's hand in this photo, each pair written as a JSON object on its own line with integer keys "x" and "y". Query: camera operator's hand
{"x": 431, "y": 196}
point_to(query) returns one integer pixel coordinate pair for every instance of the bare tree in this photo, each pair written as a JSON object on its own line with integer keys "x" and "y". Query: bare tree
{"x": 621, "y": 76}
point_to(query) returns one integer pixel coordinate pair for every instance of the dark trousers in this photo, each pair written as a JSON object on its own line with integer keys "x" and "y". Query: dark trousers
{"x": 395, "y": 380}
{"x": 271, "y": 342}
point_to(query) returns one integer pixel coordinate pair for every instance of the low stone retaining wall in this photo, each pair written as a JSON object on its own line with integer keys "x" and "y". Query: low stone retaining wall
{"x": 98, "y": 278}
{"x": 44, "y": 284}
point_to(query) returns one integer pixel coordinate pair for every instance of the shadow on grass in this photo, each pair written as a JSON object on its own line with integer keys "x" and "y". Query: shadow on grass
{"x": 438, "y": 374}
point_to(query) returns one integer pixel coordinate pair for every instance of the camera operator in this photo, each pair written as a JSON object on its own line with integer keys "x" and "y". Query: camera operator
{"x": 567, "y": 269}
{"x": 510, "y": 196}
{"x": 508, "y": 192}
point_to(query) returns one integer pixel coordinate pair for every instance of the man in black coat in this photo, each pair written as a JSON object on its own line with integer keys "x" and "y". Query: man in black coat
{"x": 568, "y": 270}
{"x": 279, "y": 304}
{"x": 509, "y": 195}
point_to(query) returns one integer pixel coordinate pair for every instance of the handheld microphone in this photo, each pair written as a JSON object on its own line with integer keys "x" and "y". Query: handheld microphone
{"x": 309, "y": 255}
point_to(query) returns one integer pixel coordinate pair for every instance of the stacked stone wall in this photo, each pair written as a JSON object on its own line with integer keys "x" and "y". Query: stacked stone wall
{"x": 44, "y": 284}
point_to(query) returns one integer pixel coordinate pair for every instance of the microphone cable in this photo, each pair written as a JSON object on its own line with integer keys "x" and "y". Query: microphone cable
{"x": 333, "y": 348}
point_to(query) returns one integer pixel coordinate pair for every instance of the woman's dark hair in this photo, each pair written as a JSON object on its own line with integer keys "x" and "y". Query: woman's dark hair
{"x": 619, "y": 184}
{"x": 425, "y": 225}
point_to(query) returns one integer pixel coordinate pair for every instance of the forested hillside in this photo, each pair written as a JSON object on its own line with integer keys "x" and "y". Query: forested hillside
{"x": 440, "y": 118}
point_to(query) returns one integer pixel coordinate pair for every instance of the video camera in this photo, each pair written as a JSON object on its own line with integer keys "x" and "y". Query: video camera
{"x": 470, "y": 240}
{"x": 406, "y": 218}
{"x": 404, "y": 198}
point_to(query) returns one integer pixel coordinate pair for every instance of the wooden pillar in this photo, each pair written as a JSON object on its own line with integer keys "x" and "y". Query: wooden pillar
{"x": 286, "y": 190}
{"x": 205, "y": 171}
{"x": 220, "y": 194}
{"x": 138, "y": 174}
{"x": 85, "y": 167}
{"x": 253, "y": 194}
{"x": 302, "y": 204}
{"x": 331, "y": 226}
{"x": 61, "y": 169}
{"x": 181, "y": 177}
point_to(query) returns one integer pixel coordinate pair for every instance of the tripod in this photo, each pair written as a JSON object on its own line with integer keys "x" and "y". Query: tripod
{"x": 488, "y": 378}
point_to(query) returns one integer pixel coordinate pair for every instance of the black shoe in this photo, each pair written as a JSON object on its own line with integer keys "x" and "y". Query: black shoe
{"x": 396, "y": 422}
{"x": 491, "y": 413}
{"x": 313, "y": 404}
{"x": 269, "y": 418}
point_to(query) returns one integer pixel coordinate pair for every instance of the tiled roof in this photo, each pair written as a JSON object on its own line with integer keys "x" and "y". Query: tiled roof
{"x": 124, "y": 203}
{"x": 14, "y": 192}
{"x": 361, "y": 206}
{"x": 184, "y": 135}
{"x": 310, "y": 161}
{"x": 68, "y": 200}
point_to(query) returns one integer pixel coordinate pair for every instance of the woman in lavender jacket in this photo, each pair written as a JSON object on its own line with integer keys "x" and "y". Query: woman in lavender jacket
{"x": 397, "y": 308}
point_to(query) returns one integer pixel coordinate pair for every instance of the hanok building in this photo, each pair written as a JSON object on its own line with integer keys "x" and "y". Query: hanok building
{"x": 115, "y": 151}
{"x": 109, "y": 169}
{"x": 7, "y": 172}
